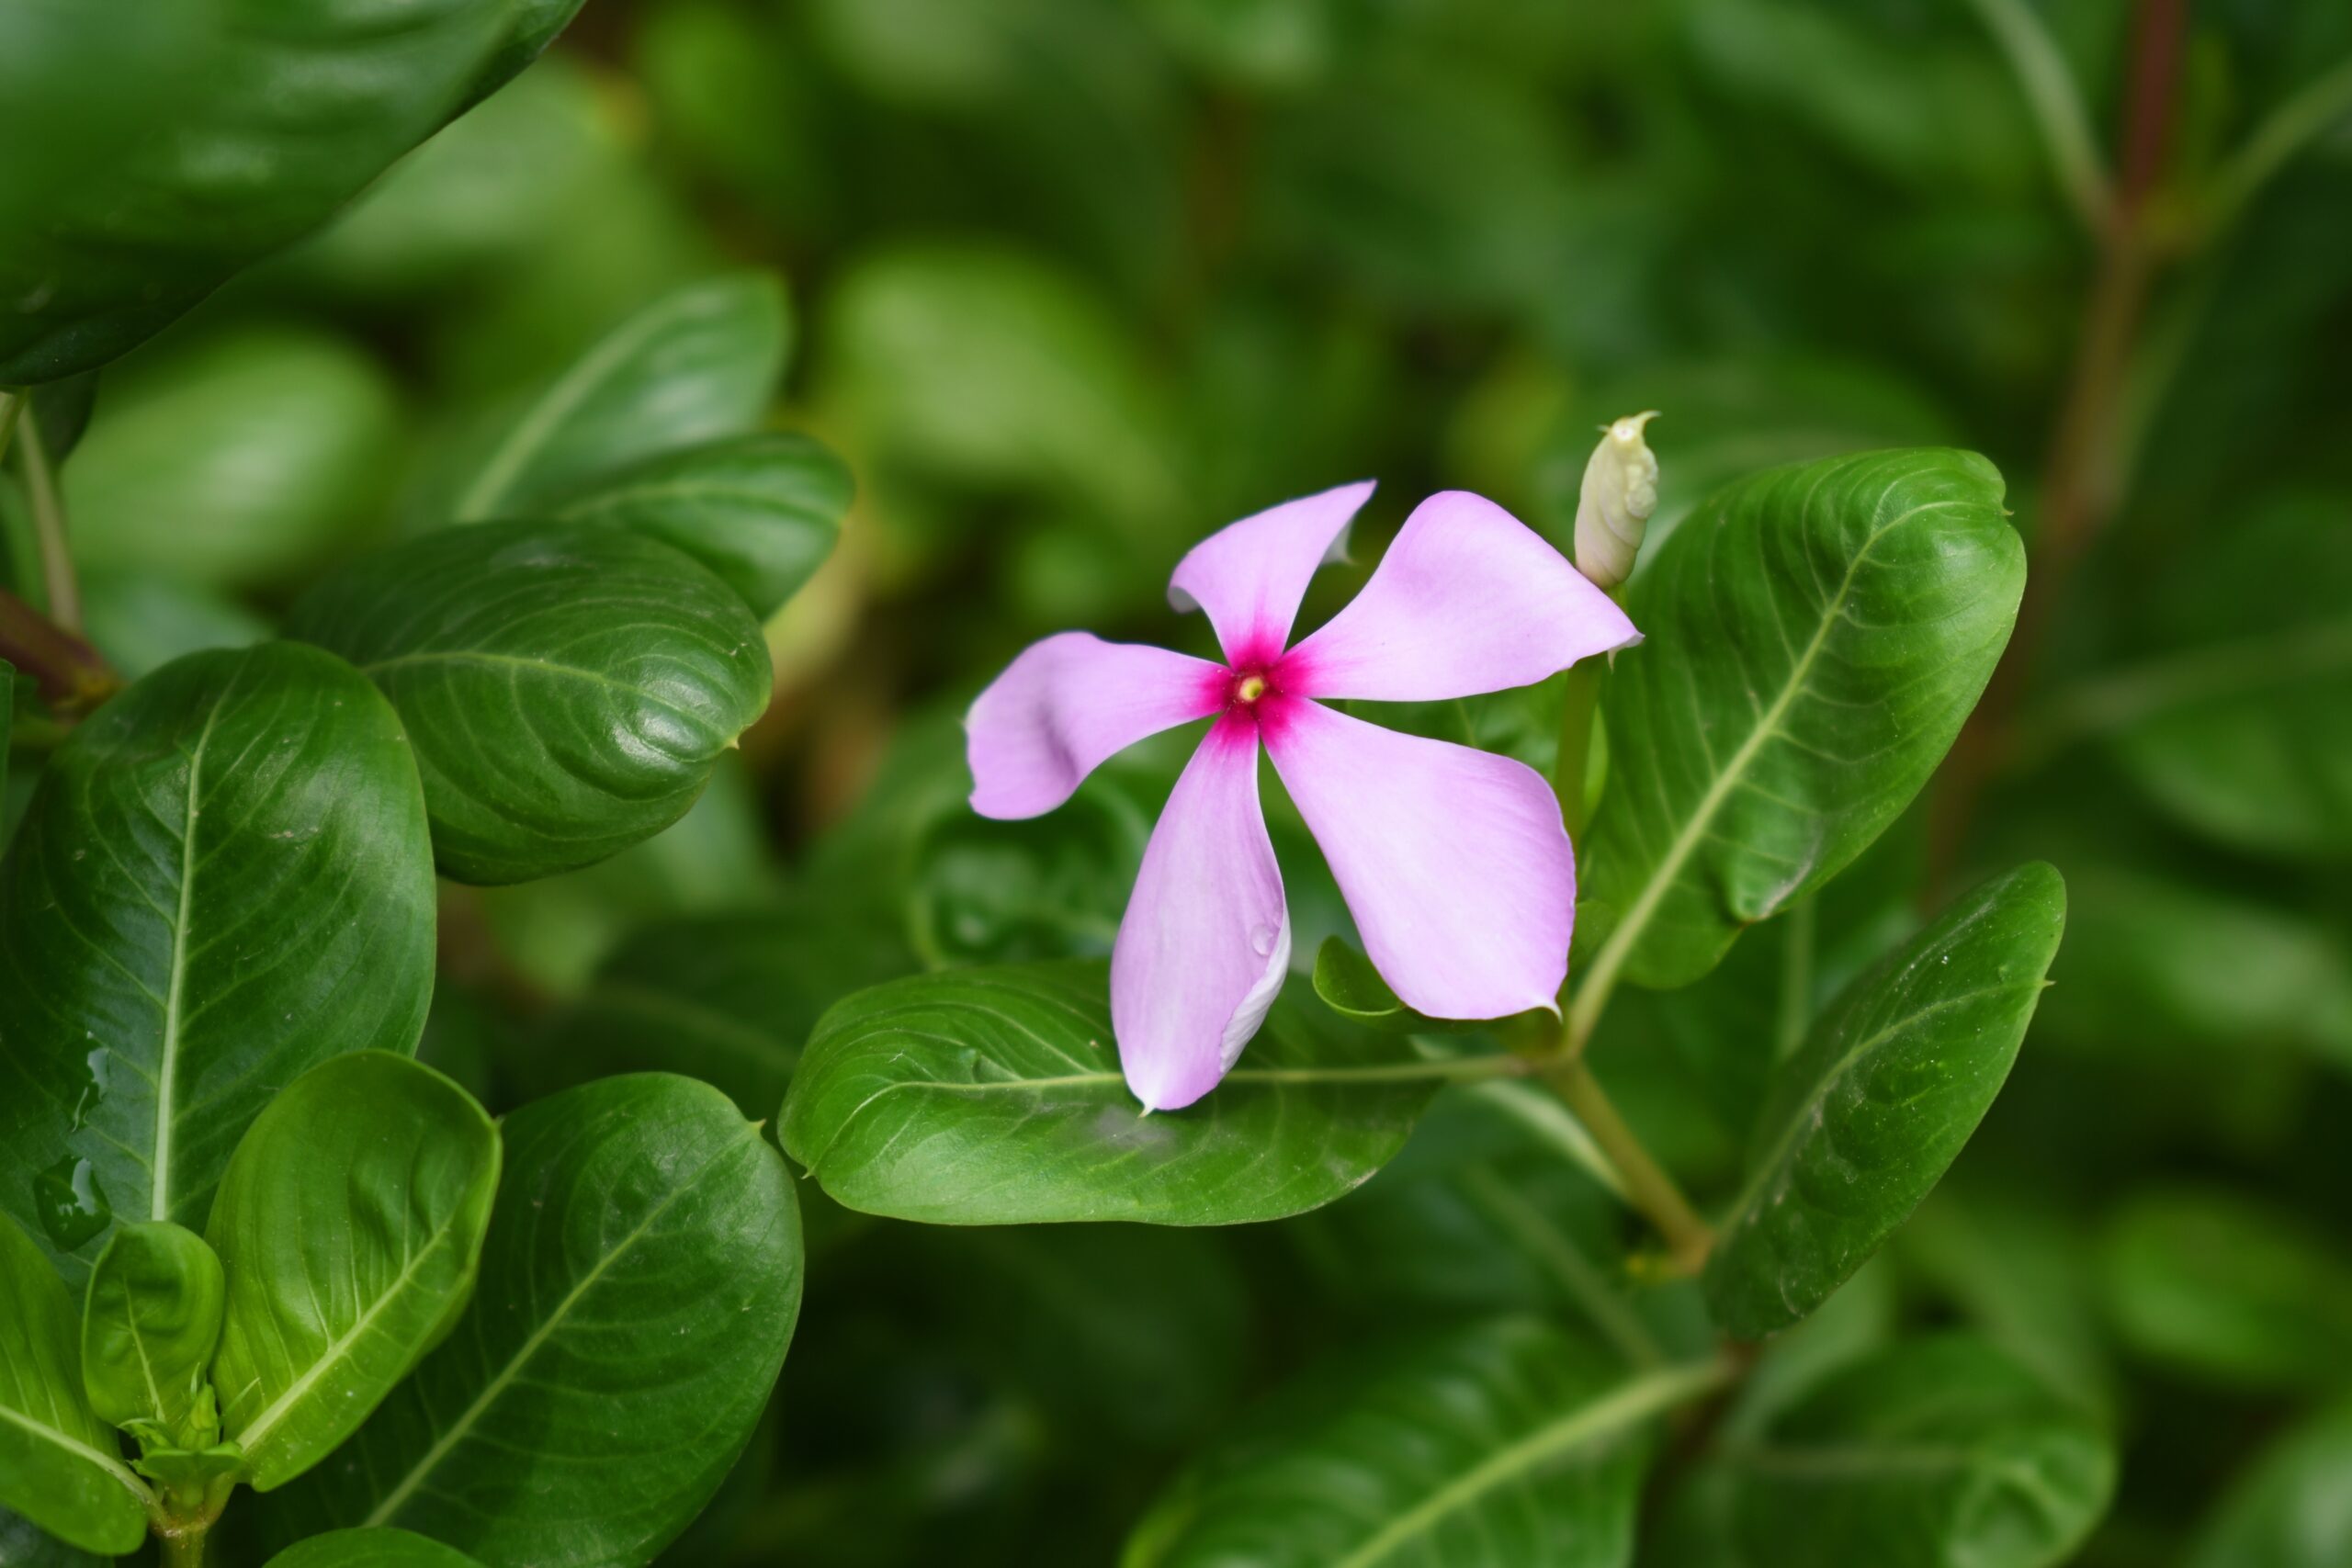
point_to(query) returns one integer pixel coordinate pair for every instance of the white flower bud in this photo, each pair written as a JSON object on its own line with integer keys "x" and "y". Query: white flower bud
{"x": 1613, "y": 509}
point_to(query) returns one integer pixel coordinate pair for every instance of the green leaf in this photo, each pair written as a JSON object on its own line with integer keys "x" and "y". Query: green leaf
{"x": 727, "y": 999}
{"x": 143, "y": 178}
{"x": 371, "y": 1548}
{"x": 640, "y": 1287}
{"x": 1352, "y": 988}
{"x": 993, "y": 1097}
{"x": 235, "y": 460}
{"x": 567, "y": 690}
{"x": 1863, "y": 1121}
{"x": 59, "y": 1464}
{"x": 695, "y": 365}
{"x": 149, "y": 1325}
{"x": 143, "y": 620}
{"x": 2288, "y": 1510}
{"x": 348, "y": 1223}
{"x": 223, "y": 880}
{"x": 2230, "y": 1290}
{"x": 23, "y": 1544}
{"x": 1931, "y": 1453}
{"x": 1496, "y": 1446}
{"x": 761, "y": 511}
{"x": 1816, "y": 636}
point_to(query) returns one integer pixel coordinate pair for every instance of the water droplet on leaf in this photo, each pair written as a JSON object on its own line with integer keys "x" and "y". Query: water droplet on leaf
{"x": 72, "y": 1205}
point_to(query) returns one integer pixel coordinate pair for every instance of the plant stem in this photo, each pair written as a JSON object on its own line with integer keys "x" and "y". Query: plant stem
{"x": 1494, "y": 1064}
{"x": 49, "y": 531}
{"x": 12, "y": 404}
{"x": 183, "y": 1550}
{"x": 2301, "y": 120}
{"x": 1647, "y": 1185}
{"x": 2048, "y": 89}
{"x": 73, "y": 677}
{"x": 1577, "y": 708}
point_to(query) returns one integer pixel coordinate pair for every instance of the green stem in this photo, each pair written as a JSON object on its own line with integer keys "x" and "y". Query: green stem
{"x": 2301, "y": 120}
{"x": 1571, "y": 768}
{"x": 1647, "y": 1185}
{"x": 73, "y": 677}
{"x": 1451, "y": 1069}
{"x": 49, "y": 532}
{"x": 12, "y": 404}
{"x": 1796, "y": 981}
{"x": 2058, "y": 112}
{"x": 184, "y": 1551}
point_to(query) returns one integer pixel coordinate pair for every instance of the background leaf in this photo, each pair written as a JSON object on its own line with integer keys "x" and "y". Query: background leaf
{"x": 223, "y": 880}
{"x": 993, "y": 1097}
{"x": 567, "y": 690}
{"x": 1862, "y": 1121}
{"x": 1816, "y": 634}
{"x": 149, "y": 1327}
{"x": 348, "y": 1223}
{"x": 2288, "y": 1510}
{"x": 640, "y": 1287}
{"x": 1499, "y": 1444}
{"x": 59, "y": 1464}
{"x": 371, "y": 1548}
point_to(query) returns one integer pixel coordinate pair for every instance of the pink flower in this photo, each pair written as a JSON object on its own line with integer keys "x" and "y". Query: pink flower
{"x": 1452, "y": 860}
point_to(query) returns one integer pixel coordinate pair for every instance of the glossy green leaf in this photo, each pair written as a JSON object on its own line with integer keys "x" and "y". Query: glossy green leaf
{"x": 2288, "y": 1510}
{"x": 2230, "y": 1290}
{"x": 224, "y": 879}
{"x": 371, "y": 1548}
{"x": 149, "y": 1325}
{"x": 1864, "y": 1120}
{"x": 59, "y": 1463}
{"x": 567, "y": 690}
{"x": 727, "y": 999}
{"x": 1816, "y": 636}
{"x": 143, "y": 179}
{"x": 695, "y": 365}
{"x": 236, "y": 459}
{"x": 761, "y": 511}
{"x": 1494, "y": 1446}
{"x": 993, "y": 1097}
{"x": 348, "y": 1224}
{"x": 1929, "y": 1453}
{"x": 640, "y": 1287}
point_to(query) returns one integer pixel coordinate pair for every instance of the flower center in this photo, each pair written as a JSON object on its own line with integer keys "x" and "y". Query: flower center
{"x": 1250, "y": 689}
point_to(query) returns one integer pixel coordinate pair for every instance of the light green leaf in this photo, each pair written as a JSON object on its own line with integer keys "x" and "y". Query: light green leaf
{"x": 695, "y": 365}
{"x": 235, "y": 460}
{"x": 371, "y": 1548}
{"x": 2289, "y": 1509}
{"x": 1863, "y": 1121}
{"x": 143, "y": 178}
{"x": 761, "y": 511}
{"x": 1817, "y": 634}
{"x": 1929, "y": 1453}
{"x": 60, "y": 1467}
{"x": 223, "y": 880}
{"x": 1496, "y": 1446}
{"x": 1352, "y": 988}
{"x": 640, "y": 1287}
{"x": 348, "y": 1223}
{"x": 993, "y": 1097}
{"x": 143, "y": 620}
{"x": 149, "y": 1325}
{"x": 2230, "y": 1290}
{"x": 567, "y": 690}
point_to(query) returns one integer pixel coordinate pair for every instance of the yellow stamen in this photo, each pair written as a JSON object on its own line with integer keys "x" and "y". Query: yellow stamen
{"x": 1253, "y": 687}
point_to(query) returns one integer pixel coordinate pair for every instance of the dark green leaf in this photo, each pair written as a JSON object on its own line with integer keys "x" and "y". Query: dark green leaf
{"x": 236, "y": 459}
{"x": 348, "y": 1223}
{"x": 371, "y": 1548}
{"x": 2230, "y": 1290}
{"x": 727, "y": 999}
{"x": 23, "y": 1544}
{"x": 1497, "y": 1446}
{"x": 1863, "y": 1121}
{"x": 761, "y": 511}
{"x": 149, "y": 1327}
{"x": 1929, "y": 1453}
{"x": 61, "y": 411}
{"x": 143, "y": 178}
{"x": 224, "y": 879}
{"x": 993, "y": 1097}
{"x": 1815, "y": 636}
{"x": 2288, "y": 1510}
{"x": 640, "y": 1287}
{"x": 567, "y": 690}
{"x": 693, "y": 367}
{"x": 59, "y": 1464}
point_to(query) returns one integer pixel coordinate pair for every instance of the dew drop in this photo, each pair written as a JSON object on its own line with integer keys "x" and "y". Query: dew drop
{"x": 72, "y": 1205}
{"x": 1262, "y": 941}
{"x": 94, "y": 1086}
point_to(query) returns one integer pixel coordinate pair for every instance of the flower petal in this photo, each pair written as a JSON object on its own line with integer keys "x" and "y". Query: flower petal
{"x": 1452, "y": 860}
{"x": 1206, "y": 941}
{"x": 1068, "y": 702}
{"x": 1468, "y": 598}
{"x": 1250, "y": 576}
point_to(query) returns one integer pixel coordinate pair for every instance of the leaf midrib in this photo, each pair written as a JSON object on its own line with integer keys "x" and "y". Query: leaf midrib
{"x": 159, "y": 1205}
{"x": 55, "y": 1438}
{"x": 542, "y": 666}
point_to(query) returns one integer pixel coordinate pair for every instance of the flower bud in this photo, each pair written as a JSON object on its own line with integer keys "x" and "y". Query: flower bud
{"x": 1614, "y": 509}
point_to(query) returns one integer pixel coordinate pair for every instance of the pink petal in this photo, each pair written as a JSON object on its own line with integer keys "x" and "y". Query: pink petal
{"x": 1068, "y": 702}
{"x": 1250, "y": 576}
{"x": 1468, "y": 598}
{"x": 1452, "y": 860}
{"x": 1206, "y": 941}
